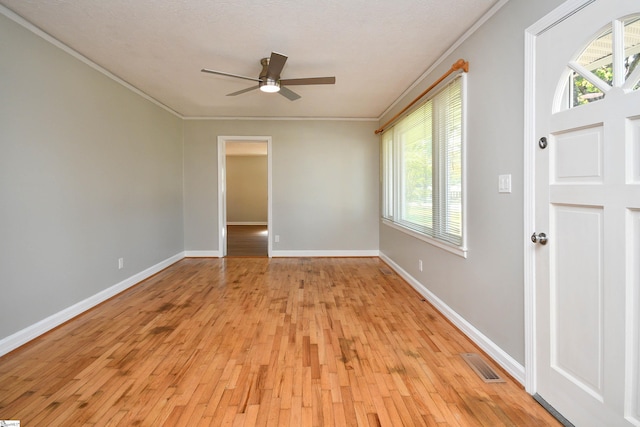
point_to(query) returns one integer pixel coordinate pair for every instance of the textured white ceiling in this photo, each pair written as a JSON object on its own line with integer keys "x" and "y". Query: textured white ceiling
{"x": 375, "y": 48}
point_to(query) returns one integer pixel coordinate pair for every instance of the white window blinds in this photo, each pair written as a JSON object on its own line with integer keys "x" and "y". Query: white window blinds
{"x": 422, "y": 167}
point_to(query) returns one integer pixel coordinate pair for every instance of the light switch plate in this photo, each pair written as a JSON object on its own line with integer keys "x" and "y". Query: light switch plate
{"x": 504, "y": 183}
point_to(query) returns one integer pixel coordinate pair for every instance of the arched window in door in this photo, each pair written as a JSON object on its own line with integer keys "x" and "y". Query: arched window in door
{"x": 611, "y": 60}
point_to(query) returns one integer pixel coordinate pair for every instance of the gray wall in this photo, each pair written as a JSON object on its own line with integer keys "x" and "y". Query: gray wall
{"x": 325, "y": 182}
{"x": 487, "y": 288}
{"x": 89, "y": 172}
{"x": 247, "y": 189}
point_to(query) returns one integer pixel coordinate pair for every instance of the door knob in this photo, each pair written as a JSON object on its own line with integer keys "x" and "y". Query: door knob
{"x": 539, "y": 238}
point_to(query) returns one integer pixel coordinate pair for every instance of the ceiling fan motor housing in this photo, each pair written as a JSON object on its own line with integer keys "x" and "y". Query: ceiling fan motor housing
{"x": 267, "y": 84}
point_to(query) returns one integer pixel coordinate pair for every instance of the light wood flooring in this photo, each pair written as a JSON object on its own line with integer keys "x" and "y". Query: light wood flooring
{"x": 259, "y": 342}
{"x": 247, "y": 240}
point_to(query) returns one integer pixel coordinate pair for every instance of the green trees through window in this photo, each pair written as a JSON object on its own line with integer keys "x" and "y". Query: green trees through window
{"x": 593, "y": 73}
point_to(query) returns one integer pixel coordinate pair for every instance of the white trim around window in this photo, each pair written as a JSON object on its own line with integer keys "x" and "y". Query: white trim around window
{"x": 423, "y": 169}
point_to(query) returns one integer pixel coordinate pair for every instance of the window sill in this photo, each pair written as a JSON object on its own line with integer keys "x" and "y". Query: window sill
{"x": 456, "y": 250}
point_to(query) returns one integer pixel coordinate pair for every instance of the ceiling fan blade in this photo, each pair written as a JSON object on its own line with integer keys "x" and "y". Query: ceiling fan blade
{"x": 249, "y": 89}
{"x": 309, "y": 81}
{"x": 289, "y": 94}
{"x": 206, "y": 70}
{"x": 276, "y": 64}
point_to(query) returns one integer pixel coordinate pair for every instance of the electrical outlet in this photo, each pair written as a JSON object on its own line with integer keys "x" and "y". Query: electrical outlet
{"x": 120, "y": 263}
{"x": 277, "y": 238}
{"x": 420, "y": 264}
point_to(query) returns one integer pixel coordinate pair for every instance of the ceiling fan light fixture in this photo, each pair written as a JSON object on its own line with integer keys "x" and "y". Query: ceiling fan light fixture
{"x": 269, "y": 78}
{"x": 270, "y": 86}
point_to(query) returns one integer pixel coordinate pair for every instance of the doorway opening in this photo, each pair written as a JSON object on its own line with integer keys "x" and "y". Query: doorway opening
{"x": 244, "y": 165}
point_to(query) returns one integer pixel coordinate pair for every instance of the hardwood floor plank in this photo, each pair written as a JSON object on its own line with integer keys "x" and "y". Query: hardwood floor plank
{"x": 251, "y": 417}
{"x": 339, "y": 416}
{"x": 259, "y": 342}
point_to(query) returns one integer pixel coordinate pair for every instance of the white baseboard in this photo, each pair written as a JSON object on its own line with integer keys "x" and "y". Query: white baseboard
{"x": 318, "y": 254}
{"x": 515, "y": 369}
{"x": 290, "y": 254}
{"x": 202, "y": 254}
{"x": 247, "y": 223}
{"x": 27, "y": 334}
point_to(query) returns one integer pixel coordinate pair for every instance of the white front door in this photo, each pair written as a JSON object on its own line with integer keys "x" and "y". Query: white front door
{"x": 587, "y": 203}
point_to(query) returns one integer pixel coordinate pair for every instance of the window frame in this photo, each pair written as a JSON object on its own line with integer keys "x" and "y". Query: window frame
{"x": 391, "y": 179}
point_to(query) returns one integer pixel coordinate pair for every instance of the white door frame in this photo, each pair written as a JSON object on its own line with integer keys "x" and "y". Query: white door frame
{"x": 530, "y": 143}
{"x": 222, "y": 190}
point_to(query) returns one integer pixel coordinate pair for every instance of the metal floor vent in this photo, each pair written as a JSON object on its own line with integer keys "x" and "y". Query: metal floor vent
{"x": 481, "y": 368}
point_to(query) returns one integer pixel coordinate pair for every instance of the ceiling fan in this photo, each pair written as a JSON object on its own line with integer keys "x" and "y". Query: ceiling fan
{"x": 269, "y": 79}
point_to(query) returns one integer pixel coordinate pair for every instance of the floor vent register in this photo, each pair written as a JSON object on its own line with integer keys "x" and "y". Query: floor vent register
{"x": 481, "y": 368}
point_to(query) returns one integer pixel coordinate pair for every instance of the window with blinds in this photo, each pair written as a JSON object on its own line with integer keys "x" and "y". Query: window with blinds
{"x": 422, "y": 168}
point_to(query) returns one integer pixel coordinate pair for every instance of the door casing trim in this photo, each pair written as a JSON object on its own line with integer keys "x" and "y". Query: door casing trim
{"x": 222, "y": 140}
